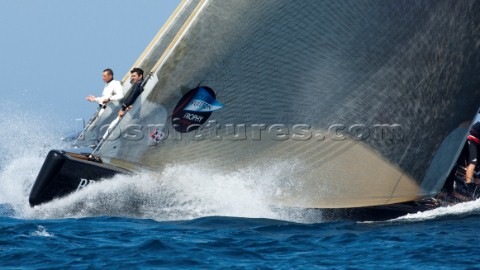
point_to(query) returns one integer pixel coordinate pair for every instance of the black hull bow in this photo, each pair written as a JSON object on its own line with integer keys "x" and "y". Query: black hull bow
{"x": 63, "y": 173}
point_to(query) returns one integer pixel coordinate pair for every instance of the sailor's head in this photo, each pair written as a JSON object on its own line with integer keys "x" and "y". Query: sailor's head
{"x": 107, "y": 75}
{"x": 137, "y": 75}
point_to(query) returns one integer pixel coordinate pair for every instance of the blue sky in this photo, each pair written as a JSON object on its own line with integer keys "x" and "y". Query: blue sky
{"x": 52, "y": 52}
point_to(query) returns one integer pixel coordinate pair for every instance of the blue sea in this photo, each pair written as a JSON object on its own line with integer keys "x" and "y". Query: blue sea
{"x": 242, "y": 243}
{"x": 188, "y": 217}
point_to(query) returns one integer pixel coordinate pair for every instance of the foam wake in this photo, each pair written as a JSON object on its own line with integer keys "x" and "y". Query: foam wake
{"x": 179, "y": 192}
{"x": 25, "y": 139}
{"x": 447, "y": 212}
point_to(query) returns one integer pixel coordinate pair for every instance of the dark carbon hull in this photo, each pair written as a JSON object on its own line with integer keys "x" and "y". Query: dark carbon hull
{"x": 62, "y": 174}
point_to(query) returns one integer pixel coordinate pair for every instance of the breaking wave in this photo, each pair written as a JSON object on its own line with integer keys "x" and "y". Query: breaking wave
{"x": 447, "y": 212}
{"x": 25, "y": 139}
{"x": 177, "y": 192}
{"x": 173, "y": 194}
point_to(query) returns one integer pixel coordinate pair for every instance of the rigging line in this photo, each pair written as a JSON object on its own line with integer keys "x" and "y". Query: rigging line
{"x": 171, "y": 47}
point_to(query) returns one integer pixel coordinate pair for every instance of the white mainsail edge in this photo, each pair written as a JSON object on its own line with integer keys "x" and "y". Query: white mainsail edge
{"x": 335, "y": 68}
{"x": 164, "y": 36}
{"x": 93, "y": 130}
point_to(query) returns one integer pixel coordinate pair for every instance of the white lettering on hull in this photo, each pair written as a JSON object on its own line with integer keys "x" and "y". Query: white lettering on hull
{"x": 83, "y": 183}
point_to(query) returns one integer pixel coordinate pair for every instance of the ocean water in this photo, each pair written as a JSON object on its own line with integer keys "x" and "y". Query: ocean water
{"x": 205, "y": 219}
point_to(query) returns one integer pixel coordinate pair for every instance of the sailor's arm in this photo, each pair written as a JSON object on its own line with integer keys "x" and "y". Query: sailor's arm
{"x": 99, "y": 100}
{"x": 112, "y": 92}
{"x": 102, "y": 99}
{"x": 90, "y": 98}
{"x": 127, "y": 104}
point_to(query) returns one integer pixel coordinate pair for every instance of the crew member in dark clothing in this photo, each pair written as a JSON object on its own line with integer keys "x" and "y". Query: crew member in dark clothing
{"x": 137, "y": 89}
{"x": 473, "y": 149}
{"x": 473, "y": 143}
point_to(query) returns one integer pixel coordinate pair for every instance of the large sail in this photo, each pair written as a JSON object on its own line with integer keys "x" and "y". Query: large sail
{"x": 364, "y": 100}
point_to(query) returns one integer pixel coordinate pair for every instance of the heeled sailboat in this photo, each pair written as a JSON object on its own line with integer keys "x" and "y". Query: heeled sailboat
{"x": 370, "y": 103}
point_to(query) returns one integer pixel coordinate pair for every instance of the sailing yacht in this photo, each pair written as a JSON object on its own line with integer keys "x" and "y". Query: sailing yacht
{"x": 370, "y": 102}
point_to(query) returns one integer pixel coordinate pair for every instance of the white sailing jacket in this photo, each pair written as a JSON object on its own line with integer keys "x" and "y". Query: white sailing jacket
{"x": 113, "y": 90}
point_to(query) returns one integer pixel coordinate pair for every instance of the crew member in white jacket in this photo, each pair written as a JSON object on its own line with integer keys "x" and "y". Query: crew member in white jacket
{"x": 113, "y": 90}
